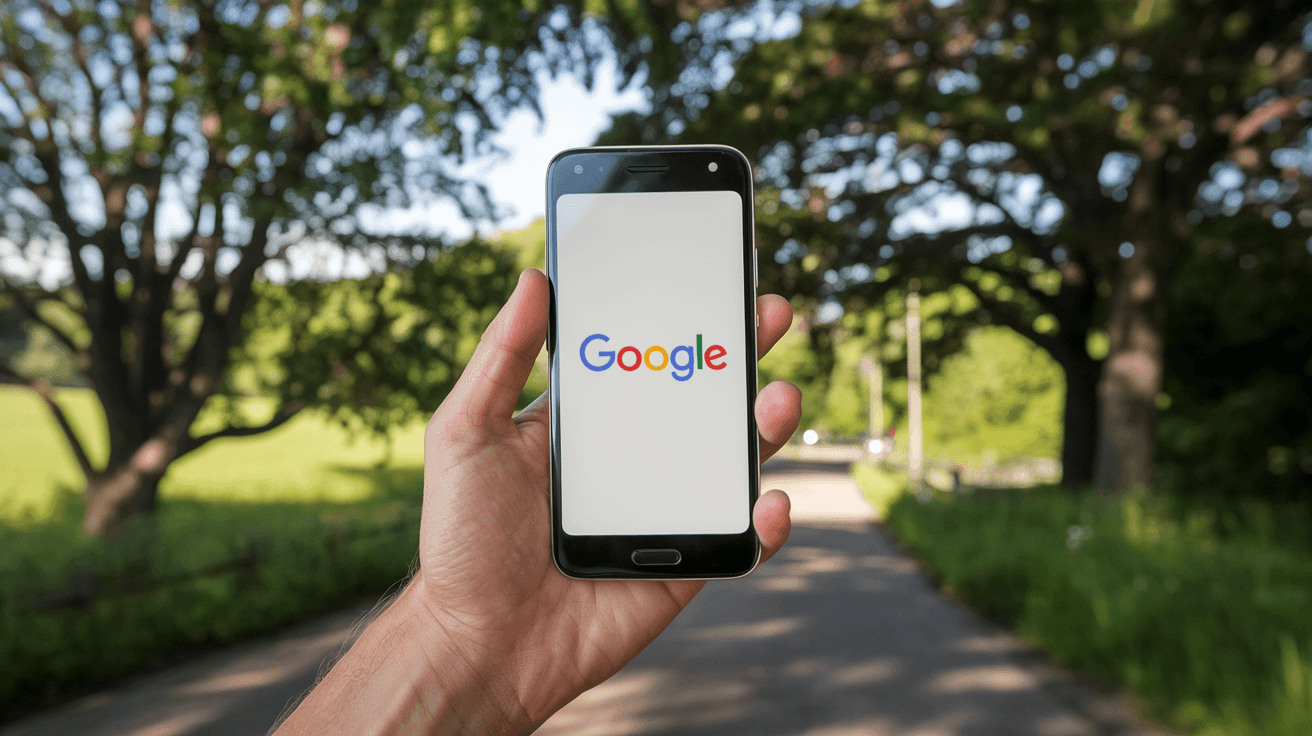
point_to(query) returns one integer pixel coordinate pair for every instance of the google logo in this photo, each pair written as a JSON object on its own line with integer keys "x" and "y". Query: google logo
{"x": 683, "y": 359}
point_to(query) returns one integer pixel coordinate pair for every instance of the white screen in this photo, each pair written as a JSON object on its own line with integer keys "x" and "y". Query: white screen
{"x": 641, "y": 451}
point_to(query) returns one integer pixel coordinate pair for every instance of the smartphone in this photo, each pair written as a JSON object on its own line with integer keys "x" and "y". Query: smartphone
{"x": 652, "y": 358}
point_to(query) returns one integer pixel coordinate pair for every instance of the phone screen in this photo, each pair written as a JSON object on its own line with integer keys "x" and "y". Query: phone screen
{"x": 650, "y": 340}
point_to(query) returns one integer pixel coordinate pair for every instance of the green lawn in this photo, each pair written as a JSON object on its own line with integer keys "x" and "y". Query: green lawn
{"x": 307, "y": 459}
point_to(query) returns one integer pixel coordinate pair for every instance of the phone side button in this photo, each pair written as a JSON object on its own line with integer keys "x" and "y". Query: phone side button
{"x": 657, "y": 557}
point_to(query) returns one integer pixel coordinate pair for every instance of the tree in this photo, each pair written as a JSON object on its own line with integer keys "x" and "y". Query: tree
{"x": 1082, "y": 145}
{"x": 177, "y": 152}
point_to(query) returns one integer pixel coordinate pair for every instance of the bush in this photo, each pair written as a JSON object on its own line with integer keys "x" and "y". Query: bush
{"x": 76, "y": 612}
{"x": 1212, "y": 629}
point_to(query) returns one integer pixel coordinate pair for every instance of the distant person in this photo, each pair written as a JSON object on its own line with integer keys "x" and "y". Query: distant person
{"x": 488, "y": 637}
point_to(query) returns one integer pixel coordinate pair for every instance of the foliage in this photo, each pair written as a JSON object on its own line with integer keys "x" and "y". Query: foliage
{"x": 1204, "y": 618}
{"x": 1237, "y": 415}
{"x": 1000, "y": 396}
{"x": 379, "y": 351}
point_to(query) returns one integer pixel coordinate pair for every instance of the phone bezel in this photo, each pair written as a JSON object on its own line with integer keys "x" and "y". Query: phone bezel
{"x": 606, "y": 170}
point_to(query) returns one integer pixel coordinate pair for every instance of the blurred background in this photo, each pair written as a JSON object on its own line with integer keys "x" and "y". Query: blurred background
{"x": 1052, "y": 265}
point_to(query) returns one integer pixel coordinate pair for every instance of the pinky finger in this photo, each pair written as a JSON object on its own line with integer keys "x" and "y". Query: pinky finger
{"x": 772, "y": 522}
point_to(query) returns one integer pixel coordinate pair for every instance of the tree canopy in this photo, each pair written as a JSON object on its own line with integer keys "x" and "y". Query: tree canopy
{"x": 1060, "y": 160}
{"x": 176, "y": 152}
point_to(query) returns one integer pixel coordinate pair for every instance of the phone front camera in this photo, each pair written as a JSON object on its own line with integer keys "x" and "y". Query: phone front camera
{"x": 578, "y": 169}
{"x": 712, "y": 166}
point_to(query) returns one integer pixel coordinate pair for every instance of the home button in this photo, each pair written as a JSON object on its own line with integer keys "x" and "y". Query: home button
{"x": 657, "y": 557}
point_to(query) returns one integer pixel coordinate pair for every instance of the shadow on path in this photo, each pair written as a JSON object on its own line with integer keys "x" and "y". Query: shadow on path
{"x": 241, "y": 690}
{"x": 839, "y": 634}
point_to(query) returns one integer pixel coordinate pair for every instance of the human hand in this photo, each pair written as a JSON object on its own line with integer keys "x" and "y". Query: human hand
{"x": 506, "y": 638}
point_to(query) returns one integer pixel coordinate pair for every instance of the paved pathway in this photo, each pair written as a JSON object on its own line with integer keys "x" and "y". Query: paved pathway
{"x": 839, "y": 635}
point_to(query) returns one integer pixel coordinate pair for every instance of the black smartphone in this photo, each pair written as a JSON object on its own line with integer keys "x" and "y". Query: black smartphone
{"x": 652, "y": 350}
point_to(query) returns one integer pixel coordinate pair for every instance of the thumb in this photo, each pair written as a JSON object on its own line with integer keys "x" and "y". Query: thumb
{"x": 491, "y": 383}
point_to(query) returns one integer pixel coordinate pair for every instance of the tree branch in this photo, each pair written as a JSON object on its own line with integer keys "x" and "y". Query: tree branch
{"x": 30, "y": 308}
{"x": 1009, "y": 317}
{"x": 209, "y": 350}
{"x": 141, "y": 30}
{"x": 280, "y": 417}
{"x": 51, "y": 194}
{"x": 43, "y": 389}
{"x": 25, "y": 131}
{"x": 30, "y": 77}
{"x": 186, "y": 244}
{"x": 1253, "y": 121}
{"x": 244, "y": 274}
{"x": 1011, "y": 230}
{"x": 80, "y": 59}
{"x": 153, "y": 293}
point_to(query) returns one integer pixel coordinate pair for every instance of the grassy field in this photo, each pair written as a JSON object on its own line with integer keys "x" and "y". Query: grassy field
{"x": 1202, "y": 614}
{"x": 252, "y": 534}
{"x": 305, "y": 460}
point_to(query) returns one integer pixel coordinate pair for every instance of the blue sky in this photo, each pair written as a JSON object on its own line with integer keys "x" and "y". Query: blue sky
{"x": 572, "y": 116}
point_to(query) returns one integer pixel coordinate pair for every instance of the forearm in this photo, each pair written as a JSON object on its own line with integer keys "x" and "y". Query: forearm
{"x": 403, "y": 676}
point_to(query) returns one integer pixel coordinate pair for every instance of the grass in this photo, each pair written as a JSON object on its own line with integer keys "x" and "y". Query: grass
{"x": 305, "y": 460}
{"x": 251, "y": 535}
{"x": 1205, "y": 618}
{"x": 881, "y": 487}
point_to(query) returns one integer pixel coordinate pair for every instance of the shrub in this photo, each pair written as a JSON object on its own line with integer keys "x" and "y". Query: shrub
{"x": 76, "y": 612}
{"x": 1211, "y": 629}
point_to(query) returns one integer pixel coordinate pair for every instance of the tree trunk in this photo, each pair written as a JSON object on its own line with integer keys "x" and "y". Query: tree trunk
{"x": 1079, "y": 423}
{"x": 114, "y": 495}
{"x": 1131, "y": 375}
{"x": 130, "y": 486}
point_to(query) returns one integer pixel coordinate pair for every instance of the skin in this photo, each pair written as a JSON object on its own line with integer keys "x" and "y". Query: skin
{"x": 488, "y": 637}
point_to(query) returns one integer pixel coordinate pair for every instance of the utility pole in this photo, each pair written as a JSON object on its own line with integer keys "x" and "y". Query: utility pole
{"x": 915, "y": 443}
{"x": 874, "y": 375}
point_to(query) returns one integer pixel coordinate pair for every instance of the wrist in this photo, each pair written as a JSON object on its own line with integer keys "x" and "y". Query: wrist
{"x": 406, "y": 674}
{"x": 481, "y": 696}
